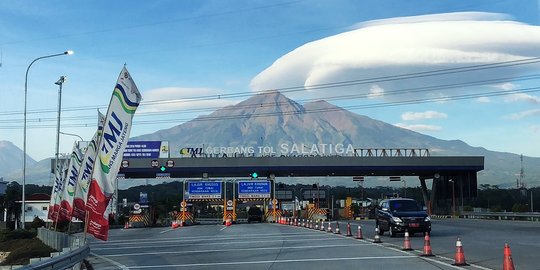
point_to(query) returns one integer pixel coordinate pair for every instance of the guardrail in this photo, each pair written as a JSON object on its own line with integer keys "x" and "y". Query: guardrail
{"x": 68, "y": 258}
{"x": 528, "y": 216}
{"x": 73, "y": 251}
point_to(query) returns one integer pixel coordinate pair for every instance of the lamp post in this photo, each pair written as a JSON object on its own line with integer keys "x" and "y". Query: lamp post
{"x": 60, "y": 82}
{"x": 71, "y": 134}
{"x": 24, "y": 128}
{"x": 453, "y": 199}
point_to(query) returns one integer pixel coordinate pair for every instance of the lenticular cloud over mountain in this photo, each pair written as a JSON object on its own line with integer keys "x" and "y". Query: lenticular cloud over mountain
{"x": 406, "y": 45}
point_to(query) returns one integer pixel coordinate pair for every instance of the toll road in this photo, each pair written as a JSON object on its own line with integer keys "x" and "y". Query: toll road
{"x": 249, "y": 246}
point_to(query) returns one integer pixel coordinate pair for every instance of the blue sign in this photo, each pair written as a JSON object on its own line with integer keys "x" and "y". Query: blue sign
{"x": 146, "y": 149}
{"x": 143, "y": 198}
{"x": 254, "y": 189}
{"x": 204, "y": 190}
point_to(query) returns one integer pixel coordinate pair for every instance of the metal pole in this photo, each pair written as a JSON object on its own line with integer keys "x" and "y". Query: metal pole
{"x": 532, "y": 206}
{"x": 60, "y": 82}
{"x": 23, "y": 204}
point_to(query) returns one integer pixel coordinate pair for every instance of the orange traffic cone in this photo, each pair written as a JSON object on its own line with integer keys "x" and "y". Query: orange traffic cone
{"x": 181, "y": 223}
{"x": 329, "y": 229}
{"x": 359, "y": 233}
{"x": 407, "y": 242}
{"x": 316, "y": 225}
{"x": 459, "y": 259}
{"x": 427, "y": 246}
{"x": 126, "y": 226}
{"x": 349, "y": 233}
{"x": 322, "y": 226}
{"x": 377, "y": 238}
{"x": 508, "y": 264}
{"x": 174, "y": 224}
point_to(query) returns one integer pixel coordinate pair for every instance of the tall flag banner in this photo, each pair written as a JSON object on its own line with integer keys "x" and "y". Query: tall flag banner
{"x": 58, "y": 187}
{"x": 66, "y": 203}
{"x": 83, "y": 181}
{"x": 124, "y": 102}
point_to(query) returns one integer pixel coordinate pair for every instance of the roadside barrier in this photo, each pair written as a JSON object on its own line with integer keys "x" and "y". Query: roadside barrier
{"x": 359, "y": 233}
{"x": 377, "y": 237}
{"x": 349, "y": 233}
{"x": 508, "y": 264}
{"x": 459, "y": 259}
{"x": 407, "y": 242}
{"x": 427, "y": 246}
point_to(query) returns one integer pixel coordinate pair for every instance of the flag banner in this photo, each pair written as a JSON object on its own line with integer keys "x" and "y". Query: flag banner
{"x": 124, "y": 102}
{"x": 83, "y": 180}
{"x": 58, "y": 187}
{"x": 66, "y": 203}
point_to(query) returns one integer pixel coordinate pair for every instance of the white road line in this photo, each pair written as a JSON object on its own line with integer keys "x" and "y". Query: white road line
{"x": 198, "y": 238}
{"x": 169, "y": 266}
{"x": 229, "y": 250}
{"x": 166, "y": 231}
{"x": 141, "y": 246}
{"x": 216, "y": 240}
{"x": 115, "y": 263}
{"x": 224, "y": 227}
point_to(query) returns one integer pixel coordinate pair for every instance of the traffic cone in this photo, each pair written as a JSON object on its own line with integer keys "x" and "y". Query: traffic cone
{"x": 427, "y": 246}
{"x": 126, "y": 225}
{"x": 174, "y": 224}
{"x": 359, "y": 233}
{"x": 337, "y": 231}
{"x": 181, "y": 223}
{"x": 349, "y": 233}
{"x": 508, "y": 264}
{"x": 329, "y": 229}
{"x": 322, "y": 226}
{"x": 377, "y": 237}
{"x": 459, "y": 259}
{"x": 407, "y": 242}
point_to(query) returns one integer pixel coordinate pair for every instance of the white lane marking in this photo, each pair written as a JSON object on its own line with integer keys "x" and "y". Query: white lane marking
{"x": 166, "y": 231}
{"x": 227, "y": 250}
{"x": 224, "y": 227}
{"x": 271, "y": 262}
{"x": 216, "y": 243}
{"x": 198, "y": 238}
{"x": 115, "y": 263}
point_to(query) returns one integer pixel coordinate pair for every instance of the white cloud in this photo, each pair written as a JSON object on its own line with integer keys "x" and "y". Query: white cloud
{"x": 407, "y": 45}
{"x": 419, "y": 127}
{"x": 522, "y": 97}
{"x": 179, "y": 98}
{"x": 375, "y": 92}
{"x": 523, "y": 114}
{"x": 414, "y": 116}
{"x": 483, "y": 100}
{"x": 506, "y": 86}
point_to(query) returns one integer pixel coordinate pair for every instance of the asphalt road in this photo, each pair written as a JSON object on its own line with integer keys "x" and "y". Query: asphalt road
{"x": 275, "y": 246}
{"x": 483, "y": 240}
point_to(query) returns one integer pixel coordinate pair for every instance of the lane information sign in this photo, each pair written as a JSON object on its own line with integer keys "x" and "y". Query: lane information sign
{"x": 253, "y": 189}
{"x": 204, "y": 190}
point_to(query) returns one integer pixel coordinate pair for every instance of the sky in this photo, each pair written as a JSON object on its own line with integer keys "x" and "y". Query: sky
{"x": 456, "y": 70}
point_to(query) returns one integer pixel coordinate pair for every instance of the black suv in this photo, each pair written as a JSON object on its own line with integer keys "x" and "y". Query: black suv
{"x": 399, "y": 215}
{"x": 255, "y": 214}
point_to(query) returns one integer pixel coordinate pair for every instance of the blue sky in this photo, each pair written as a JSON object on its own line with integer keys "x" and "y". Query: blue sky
{"x": 182, "y": 49}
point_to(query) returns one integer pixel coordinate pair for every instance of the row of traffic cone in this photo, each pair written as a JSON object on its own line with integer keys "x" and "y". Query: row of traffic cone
{"x": 459, "y": 258}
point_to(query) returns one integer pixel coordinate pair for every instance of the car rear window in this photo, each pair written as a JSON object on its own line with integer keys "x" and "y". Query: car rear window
{"x": 404, "y": 206}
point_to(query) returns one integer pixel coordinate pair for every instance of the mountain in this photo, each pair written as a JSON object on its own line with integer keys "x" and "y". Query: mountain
{"x": 11, "y": 159}
{"x": 272, "y": 119}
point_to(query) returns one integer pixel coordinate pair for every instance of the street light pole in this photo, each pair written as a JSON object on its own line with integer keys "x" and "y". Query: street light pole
{"x": 23, "y": 207}
{"x": 60, "y": 82}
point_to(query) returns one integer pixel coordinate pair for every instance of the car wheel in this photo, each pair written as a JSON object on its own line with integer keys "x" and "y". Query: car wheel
{"x": 392, "y": 231}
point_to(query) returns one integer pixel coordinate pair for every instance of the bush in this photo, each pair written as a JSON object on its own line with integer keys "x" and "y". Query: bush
{"x": 24, "y": 249}
{"x": 37, "y": 223}
{"x": 6, "y": 235}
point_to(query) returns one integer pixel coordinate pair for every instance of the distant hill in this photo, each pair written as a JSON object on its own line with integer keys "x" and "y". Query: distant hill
{"x": 11, "y": 159}
{"x": 271, "y": 119}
